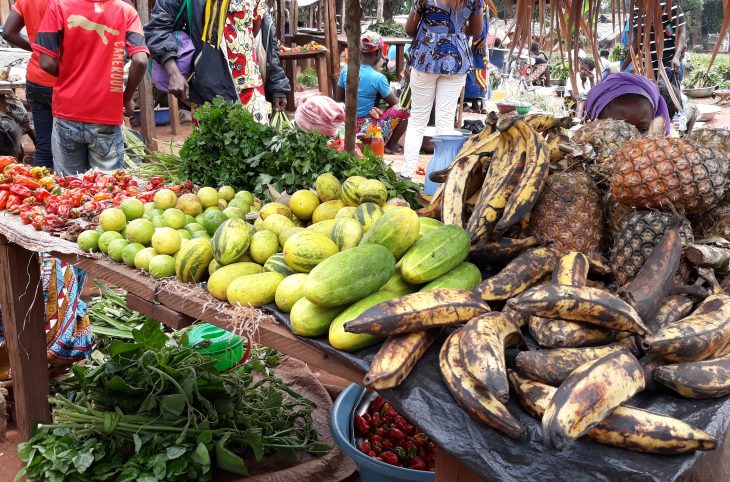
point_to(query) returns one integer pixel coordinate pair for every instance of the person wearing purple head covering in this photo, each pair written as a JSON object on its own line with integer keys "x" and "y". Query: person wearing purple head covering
{"x": 628, "y": 97}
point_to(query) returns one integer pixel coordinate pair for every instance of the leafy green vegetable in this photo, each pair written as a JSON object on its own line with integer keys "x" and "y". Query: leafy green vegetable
{"x": 388, "y": 28}
{"x": 308, "y": 78}
{"x": 230, "y": 148}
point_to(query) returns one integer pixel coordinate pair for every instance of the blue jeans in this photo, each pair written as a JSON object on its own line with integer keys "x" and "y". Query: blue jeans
{"x": 40, "y": 98}
{"x": 79, "y": 146}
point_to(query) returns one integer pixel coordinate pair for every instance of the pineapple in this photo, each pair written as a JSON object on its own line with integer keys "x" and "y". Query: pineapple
{"x": 715, "y": 222}
{"x": 638, "y": 233}
{"x": 717, "y": 138}
{"x": 606, "y": 136}
{"x": 666, "y": 172}
{"x": 569, "y": 214}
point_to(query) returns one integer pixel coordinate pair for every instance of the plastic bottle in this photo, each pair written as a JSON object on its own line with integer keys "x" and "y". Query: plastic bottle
{"x": 377, "y": 145}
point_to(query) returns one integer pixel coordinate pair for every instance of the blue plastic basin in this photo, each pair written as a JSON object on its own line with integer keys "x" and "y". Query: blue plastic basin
{"x": 371, "y": 470}
{"x": 162, "y": 116}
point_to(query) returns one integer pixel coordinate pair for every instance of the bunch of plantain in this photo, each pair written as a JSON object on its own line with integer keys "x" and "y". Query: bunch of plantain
{"x": 397, "y": 357}
{"x": 521, "y": 273}
{"x": 571, "y": 334}
{"x": 672, "y": 308}
{"x": 516, "y": 175}
{"x": 588, "y": 395}
{"x": 626, "y": 427}
{"x": 419, "y": 311}
{"x": 703, "y": 379}
{"x": 500, "y": 249}
{"x": 476, "y": 400}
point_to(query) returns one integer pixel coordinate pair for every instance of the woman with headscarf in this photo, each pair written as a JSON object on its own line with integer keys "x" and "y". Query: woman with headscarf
{"x": 440, "y": 58}
{"x": 628, "y": 97}
{"x": 373, "y": 85}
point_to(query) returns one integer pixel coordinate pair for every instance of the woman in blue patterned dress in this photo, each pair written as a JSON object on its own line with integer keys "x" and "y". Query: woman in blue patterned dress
{"x": 440, "y": 59}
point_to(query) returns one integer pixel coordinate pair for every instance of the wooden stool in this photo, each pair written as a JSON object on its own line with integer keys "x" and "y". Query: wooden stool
{"x": 289, "y": 59}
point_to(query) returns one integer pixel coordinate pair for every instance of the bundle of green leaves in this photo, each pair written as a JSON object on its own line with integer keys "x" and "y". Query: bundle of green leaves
{"x": 230, "y": 148}
{"x": 155, "y": 410}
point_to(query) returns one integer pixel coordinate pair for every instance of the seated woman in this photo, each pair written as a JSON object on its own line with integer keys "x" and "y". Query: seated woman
{"x": 628, "y": 97}
{"x": 393, "y": 121}
{"x": 539, "y": 65}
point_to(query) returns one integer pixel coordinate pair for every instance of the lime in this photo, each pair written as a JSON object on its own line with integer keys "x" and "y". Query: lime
{"x": 149, "y": 206}
{"x": 184, "y": 234}
{"x": 162, "y": 266}
{"x": 140, "y": 231}
{"x": 166, "y": 241}
{"x": 112, "y": 219}
{"x": 227, "y": 193}
{"x": 193, "y": 227}
{"x": 208, "y": 196}
{"x": 189, "y": 204}
{"x": 239, "y": 203}
{"x": 165, "y": 199}
{"x": 199, "y": 218}
{"x": 173, "y": 218}
{"x": 142, "y": 259}
{"x": 213, "y": 219}
{"x": 130, "y": 252}
{"x": 107, "y": 238}
{"x": 88, "y": 241}
{"x": 245, "y": 196}
{"x": 189, "y": 219}
{"x": 158, "y": 222}
{"x": 132, "y": 208}
{"x": 115, "y": 249}
{"x": 156, "y": 212}
{"x": 234, "y": 213}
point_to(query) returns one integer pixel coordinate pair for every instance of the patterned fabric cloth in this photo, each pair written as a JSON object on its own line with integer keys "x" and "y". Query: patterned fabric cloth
{"x": 371, "y": 42}
{"x": 440, "y": 45}
{"x": 17, "y": 111}
{"x": 387, "y": 122}
{"x": 476, "y": 80}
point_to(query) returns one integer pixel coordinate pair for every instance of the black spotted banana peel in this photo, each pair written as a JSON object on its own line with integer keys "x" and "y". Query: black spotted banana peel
{"x": 552, "y": 366}
{"x": 571, "y": 269}
{"x": 419, "y": 311}
{"x": 672, "y": 308}
{"x": 628, "y": 428}
{"x": 703, "y": 335}
{"x": 588, "y": 395}
{"x": 545, "y": 122}
{"x": 532, "y": 181}
{"x": 503, "y": 175}
{"x": 571, "y": 334}
{"x": 480, "y": 143}
{"x": 650, "y": 363}
{"x": 397, "y": 357}
{"x": 500, "y": 249}
{"x": 703, "y": 379}
{"x": 583, "y": 304}
{"x": 433, "y": 209}
{"x": 473, "y": 398}
{"x": 654, "y": 280}
{"x": 452, "y": 208}
{"x": 482, "y": 344}
{"x": 518, "y": 318}
{"x": 519, "y": 274}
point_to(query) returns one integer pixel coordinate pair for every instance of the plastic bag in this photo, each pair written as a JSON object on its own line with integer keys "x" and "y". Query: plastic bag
{"x": 280, "y": 121}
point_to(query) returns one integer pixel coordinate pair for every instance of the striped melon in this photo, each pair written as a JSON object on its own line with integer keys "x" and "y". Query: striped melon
{"x": 397, "y": 230}
{"x": 277, "y": 264}
{"x": 307, "y": 249}
{"x": 213, "y": 267}
{"x": 274, "y": 208}
{"x": 373, "y": 191}
{"x": 263, "y": 245}
{"x": 193, "y": 260}
{"x": 323, "y": 227}
{"x": 327, "y": 210}
{"x": 350, "y": 192}
{"x": 231, "y": 241}
{"x": 366, "y": 214}
{"x": 290, "y": 291}
{"x": 223, "y": 277}
{"x": 346, "y": 233}
{"x": 276, "y": 223}
{"x": 254, "y": 289}
{"x": 328, "y": 187}
{"x": 346, "y": 212}
{"x": 288, "y": 233}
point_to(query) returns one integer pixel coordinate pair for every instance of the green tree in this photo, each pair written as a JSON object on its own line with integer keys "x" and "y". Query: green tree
{"x": 712, "y": 17}
{"x": 693, "y": 11}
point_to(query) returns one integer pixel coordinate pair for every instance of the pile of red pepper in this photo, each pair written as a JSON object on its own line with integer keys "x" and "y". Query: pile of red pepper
{"x": 390, "y": 438}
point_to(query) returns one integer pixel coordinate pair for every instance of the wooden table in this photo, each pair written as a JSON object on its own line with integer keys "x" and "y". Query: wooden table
{"x": 289, "y": 59}
{"x": 400, "y": 48}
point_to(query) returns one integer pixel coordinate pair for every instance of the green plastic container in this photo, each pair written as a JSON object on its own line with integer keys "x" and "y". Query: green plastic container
{"x": 226, "y": 347}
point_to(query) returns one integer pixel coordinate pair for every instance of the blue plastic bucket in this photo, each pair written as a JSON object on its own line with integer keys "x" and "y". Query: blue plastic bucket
{"x": 445, "y": 150}
{"x": 370, "y": 470}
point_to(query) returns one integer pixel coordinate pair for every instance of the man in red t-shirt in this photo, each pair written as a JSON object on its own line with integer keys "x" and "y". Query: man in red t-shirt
{"x": 84, "y": 43}
{"x": 39, "y": 84}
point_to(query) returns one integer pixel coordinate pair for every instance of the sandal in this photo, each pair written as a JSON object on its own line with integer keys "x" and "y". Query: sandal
{"x": 394, "y": 151}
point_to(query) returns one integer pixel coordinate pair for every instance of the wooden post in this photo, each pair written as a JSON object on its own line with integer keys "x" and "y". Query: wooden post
{"x": 174, "y": 114}
{"x": 21, "y": 297}
{"x": 293, "y": 17}
{"x": 281, "y": 18}
{"x": 146, "y": 100}
{"x": 310, "y": 21}
{"x": 379, "y": 11}
{"x": 352, "y": 30}
{"x": 331, "y": 42}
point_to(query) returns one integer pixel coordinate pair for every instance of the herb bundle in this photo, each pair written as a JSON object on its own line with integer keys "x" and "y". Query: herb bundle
{"x": 155, "y": 410}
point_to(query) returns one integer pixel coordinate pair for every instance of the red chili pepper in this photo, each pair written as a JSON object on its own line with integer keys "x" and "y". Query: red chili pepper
{"x": 42, "y": 195}
{"x": 37, "y": 222}
{"x": 375, "y": 438}
{"x": 156, "y": 181}
{"x": 362, "y": 427}
{"x": 63, "y": 210}
{"x": 389, "y": 457}
{"x": 132, "y": 191}
{"x": 401, "y": 423}
{"x": 376, "y": 404}
{"x": 387, "y": 444}
{"x": 5, "y": 161}
{"x": 20, "y": 191}
{"x": 417, "y": 464}
{"x": 26, "y": 216}
{"x": 3, "y": 199}
{"x": 375, "y": 421}
{"x": 31, "y": 201}
{"x": 389, "y": 411}
{"x": 373, "y": 455}
{"x": 402, "y": 455}
{"x": 26, "y": 181}
{"x": 420, "y": 439}
{"x": 365, "y": 447}
{"x": 75, "y": 183}
{"x": 376, "y": 447}
{"x": 395, "y": 434}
